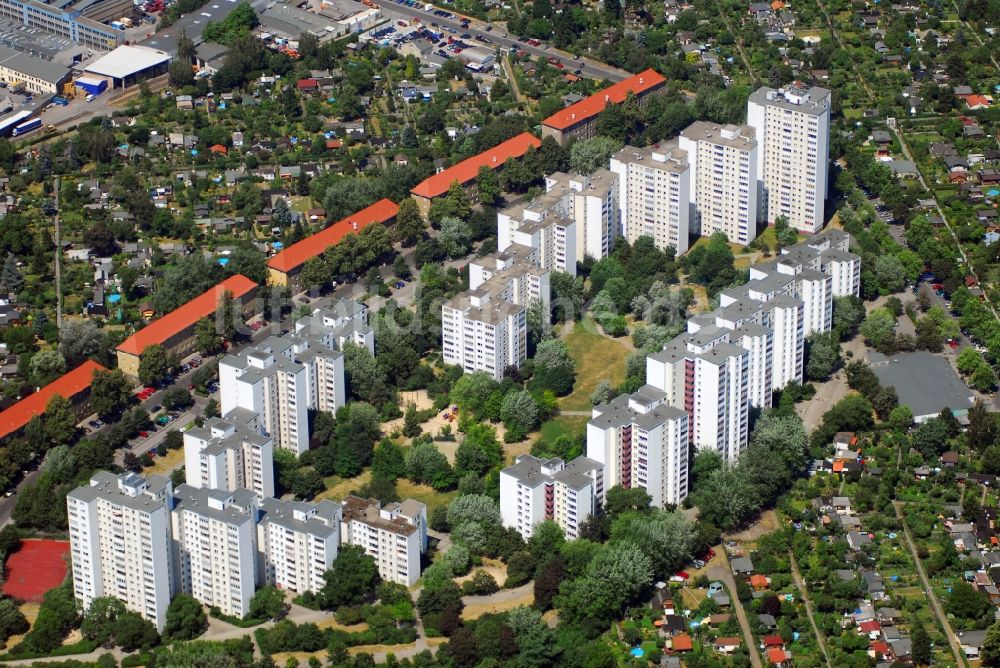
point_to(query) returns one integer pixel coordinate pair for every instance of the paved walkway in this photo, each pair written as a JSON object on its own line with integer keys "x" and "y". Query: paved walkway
{"x": 801, "y": 585}
{"x": 956, "y": 646}
{"x": 724, "y": 572}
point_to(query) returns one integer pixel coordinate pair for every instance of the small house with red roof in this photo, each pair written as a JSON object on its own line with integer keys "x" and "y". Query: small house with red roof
{"x": 218, "y": 149}
{"x": 870, "y": 628}
{"x": 772, "y": 641}
{"x": 726, "y": 644}
{"x": 308, "y": 86}
{"x": 778, "y": 656}
{"x": 759, "y": 581}
{"x": 681, "y": 643}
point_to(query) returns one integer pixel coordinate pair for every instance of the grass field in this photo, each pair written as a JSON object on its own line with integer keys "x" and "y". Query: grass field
{"x": 424, "y": 494}
{"x": 338, "y": 488}
{"x": 597, "y": 357}
{"x": 563, "y": 424}
{"x": 165, "y": 464}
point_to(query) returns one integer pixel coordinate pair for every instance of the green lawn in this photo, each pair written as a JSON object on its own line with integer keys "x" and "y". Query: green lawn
{"x": 563, "y": 424}
{"x": 597, "y": 357}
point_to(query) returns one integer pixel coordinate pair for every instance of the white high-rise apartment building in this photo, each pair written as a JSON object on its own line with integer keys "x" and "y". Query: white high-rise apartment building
{"x": 654, "y": 183}
{"x": 534, "y": 490}
{"x": 394, "y": 535}
{"x": 225, "y": 455}
{"x": 707, "y": 377}
{"x": 641, "y": 442}
{"x": 282, "y": 378}
{"x": 793, "y": 137}
{"x": 592, "y": 203}
{"x": 541, "y": 228}
{"x": 215, "y": 536}
{"x": 486, "y": 328}
{"x": 119, "y": 534}
{"x": 723, "y": 192}
{"x": 298, "y": 542}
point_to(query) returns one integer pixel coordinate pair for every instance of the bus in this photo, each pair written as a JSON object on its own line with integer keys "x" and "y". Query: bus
{"x": 12, "y": 121}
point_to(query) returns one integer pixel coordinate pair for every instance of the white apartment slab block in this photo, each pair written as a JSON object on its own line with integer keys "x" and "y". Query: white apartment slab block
{"x": 298, "y": 543}
{"x": 394, "y": 535}
{"x": 485, "y": 328}
{"x": 119, "y": 533}
{"x": 723, "y": 192}
{"x": 793, "y": 136}
{"x": 215, "y": 541}
{"x": 224, "y": 454}
{"x": 642, "y": 442}
{"x": 534, "y": 490}
{"x": 654, "y": 186}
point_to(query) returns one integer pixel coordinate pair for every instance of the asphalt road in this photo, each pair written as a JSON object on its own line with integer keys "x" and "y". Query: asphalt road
{"x": 500, "y": 38}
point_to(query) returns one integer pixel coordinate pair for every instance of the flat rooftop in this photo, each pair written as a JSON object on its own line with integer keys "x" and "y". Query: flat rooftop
{"x": 127, "y": 60}
{"x": 924, "y": 381}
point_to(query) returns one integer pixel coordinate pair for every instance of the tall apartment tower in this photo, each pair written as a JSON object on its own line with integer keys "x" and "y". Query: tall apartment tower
{"x": 215, "y": 536}
{"x": 394, "y": 535}
{"x": 543, "y": 230}
{"x": 642, "y": 442}
{"x": 225, "y": 455}
{"x": 119, "y": 534}
{"x": 298, "y": 542}
{"x": 707, "y": 377}
{"x": 653, "y": 196}
{"x": 793, "y": 137}
{"x": 592, "y": 202}
{"x": 534, "y": 490}
{"x": 277, "y": 382}
{"x": 723, "y": 193}
{"x": 486, "y": 327}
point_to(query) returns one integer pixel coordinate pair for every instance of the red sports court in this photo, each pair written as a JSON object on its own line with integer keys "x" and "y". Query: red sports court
{"x": 40, "y": 565}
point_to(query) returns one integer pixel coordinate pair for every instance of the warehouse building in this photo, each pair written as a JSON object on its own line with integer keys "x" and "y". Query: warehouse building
{"x": 175, "y": 330}
{"x": 39, "y": 76}
{"x": 128, "y": 65}
{"x": 76, "y": 22}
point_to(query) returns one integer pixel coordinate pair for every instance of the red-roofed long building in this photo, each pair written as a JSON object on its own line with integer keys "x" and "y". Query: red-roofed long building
{"x": 175, "y": 330}
{"x": 284, "y": 267}
{"x": 73, "y": 386}
{"x": 465, "y": 172}
{"x": 579, "y": 120}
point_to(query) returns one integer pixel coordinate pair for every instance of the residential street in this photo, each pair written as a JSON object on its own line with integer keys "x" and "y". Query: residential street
{"x": 956, "y": 646}
{"x": 724, "y": 573}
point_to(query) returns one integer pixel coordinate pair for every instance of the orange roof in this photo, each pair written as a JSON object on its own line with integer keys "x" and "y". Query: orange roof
{"x": 772, "y": 641}
{"x": 776, "y": 656}
{"x": 218, "y": 148}
{"x": 466, "y": 170}
{"x": 728, "y": 641}
{"x": 297, "y": 254}
{"x": 681, "y": 643}
{"x": 758, "y": 581}
{"x": 593, "y": 105}
{"x": 67, "y": 386}
{"x": 185, "y": 316}
{"x": 838, "y": 466}
{"x": 976, "y": 101}
{"x": 777, "y": 4}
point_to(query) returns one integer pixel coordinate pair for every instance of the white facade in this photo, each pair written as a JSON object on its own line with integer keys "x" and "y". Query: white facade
{"x": 224, "y": 455}
{"x": 654, "y": 185}
{"x": 282, "y": 378}
{"x": 534, "y": 490}
{"x": 119, "y": 533}
{"x": 793, "y": 134}
{"x": 723, "y": 192}
{"x": 486, "y": 328}
{"x": 707, "y": 377}
{"x": 394, "y": 535}
{"x": 592, "y": 203}
{"x": 298, "y": 542}
{"x": 543, "y": 228}
{"x": 215, "y": 537}
{"x": 642, "y": 442}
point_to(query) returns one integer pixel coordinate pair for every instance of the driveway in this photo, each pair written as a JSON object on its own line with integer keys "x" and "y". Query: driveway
{"x": 724, "y": 573}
